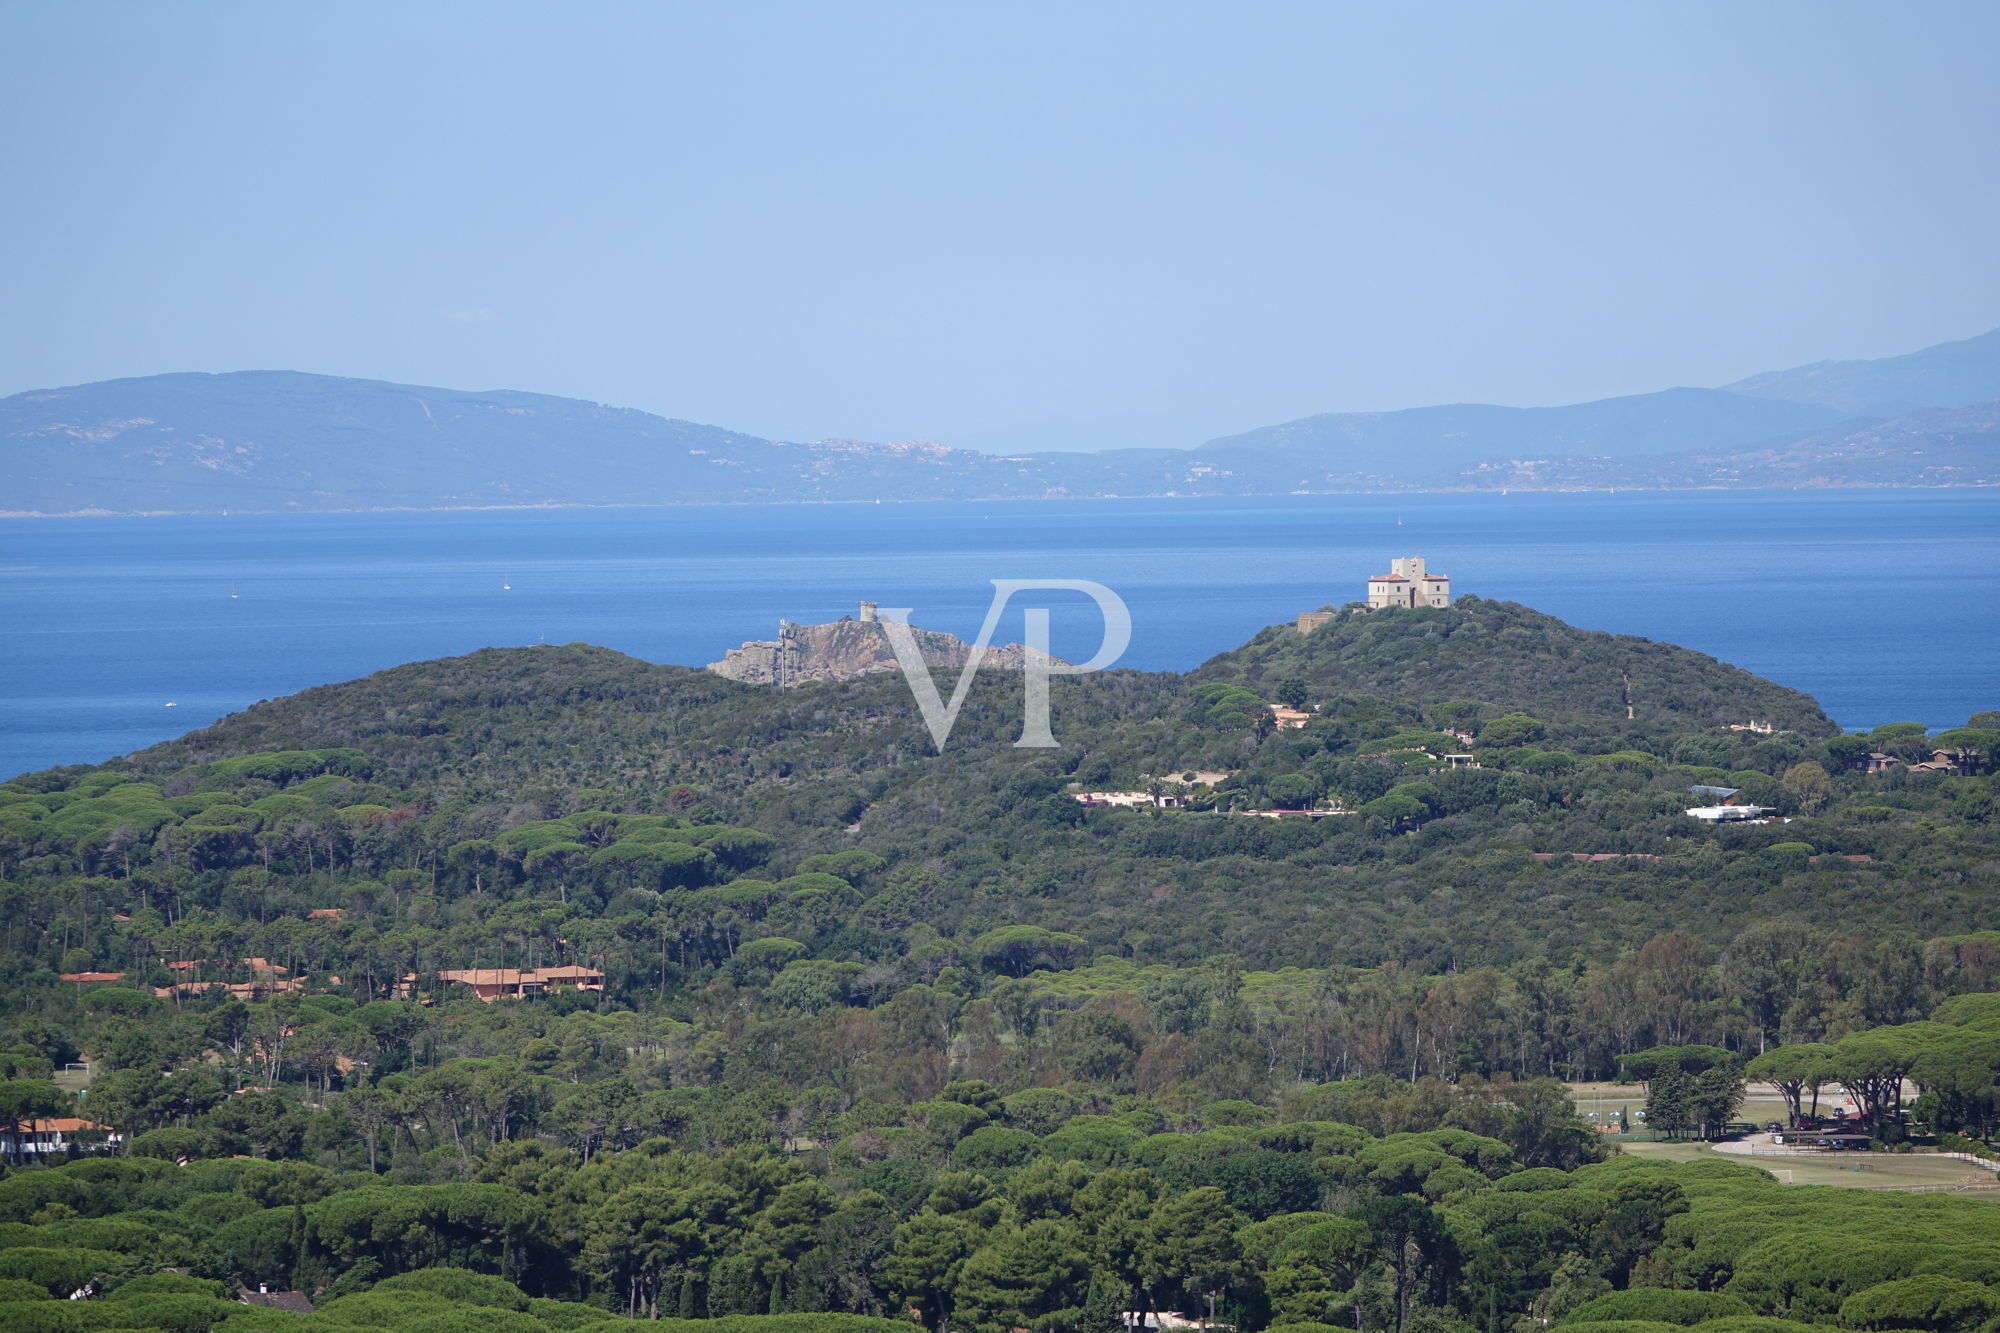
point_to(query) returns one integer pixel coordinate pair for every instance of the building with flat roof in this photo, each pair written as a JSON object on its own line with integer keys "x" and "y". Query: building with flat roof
{"x": 1408, "y": 583}
{"x": 1730, "y": 814}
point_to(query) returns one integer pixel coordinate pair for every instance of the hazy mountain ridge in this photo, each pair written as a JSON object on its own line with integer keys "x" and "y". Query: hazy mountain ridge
{"x": 1958, "y": 446}
{"x": 286, "y": 440}
{"x": 290, "y": 441}
{"x": 1426, "y": 443}
{"x": 1948, "y": 375}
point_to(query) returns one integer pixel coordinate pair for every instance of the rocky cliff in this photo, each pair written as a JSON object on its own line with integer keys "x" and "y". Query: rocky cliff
{"x": 848, "y": 648}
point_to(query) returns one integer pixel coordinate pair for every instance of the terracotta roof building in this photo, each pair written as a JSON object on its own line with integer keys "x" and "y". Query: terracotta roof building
{"x": 493, "y": 983}
{"x": 26, "y": 1140}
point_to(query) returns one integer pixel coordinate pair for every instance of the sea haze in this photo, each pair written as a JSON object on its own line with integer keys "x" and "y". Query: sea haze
{"x": 1881, "y": 604}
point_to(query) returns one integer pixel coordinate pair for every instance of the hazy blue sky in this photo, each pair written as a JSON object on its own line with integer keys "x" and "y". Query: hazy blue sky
{"x": 1003, "y": 225}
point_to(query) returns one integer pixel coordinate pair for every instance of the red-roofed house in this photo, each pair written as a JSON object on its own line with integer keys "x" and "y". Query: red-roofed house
{"x": 579, "y": 978}
{"x": 493, "y": 983}
{"x": 25, "y": 1140}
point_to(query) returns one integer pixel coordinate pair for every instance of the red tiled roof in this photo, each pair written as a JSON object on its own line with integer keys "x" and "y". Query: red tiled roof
{"x": 93, "y": 976}
{"x": 571, "y": 973}
{"x": 507, "y": 976}
{"x": 1388, "y": 578}
{"x": 57, "y": 1125}
{"x": 482, "y": 976}
{"x": 1439, "y": 577}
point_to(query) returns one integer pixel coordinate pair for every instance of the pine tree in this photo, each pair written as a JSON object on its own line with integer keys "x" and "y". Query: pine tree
{"x": 1669, "y": 1102}
{"x": 1103, "y": 1310}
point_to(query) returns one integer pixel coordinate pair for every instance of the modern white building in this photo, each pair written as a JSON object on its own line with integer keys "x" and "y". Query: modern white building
{"x": 1729, "y": 814}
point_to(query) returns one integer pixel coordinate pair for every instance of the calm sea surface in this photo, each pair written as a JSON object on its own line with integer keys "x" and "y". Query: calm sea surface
{"x": 1884, "y": 605}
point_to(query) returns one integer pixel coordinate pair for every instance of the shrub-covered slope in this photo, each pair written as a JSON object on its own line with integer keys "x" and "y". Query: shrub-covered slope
{"x": 1505, "y": 654}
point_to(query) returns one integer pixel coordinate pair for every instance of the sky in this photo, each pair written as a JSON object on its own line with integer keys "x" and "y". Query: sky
{"x": 1003, "y": 226}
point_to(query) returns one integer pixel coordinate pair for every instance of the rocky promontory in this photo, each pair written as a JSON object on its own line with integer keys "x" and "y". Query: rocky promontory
{"x": 849, "y": 647}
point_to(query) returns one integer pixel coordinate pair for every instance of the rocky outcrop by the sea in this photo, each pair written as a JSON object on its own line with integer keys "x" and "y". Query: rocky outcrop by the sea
{"x": 849, "y": 647}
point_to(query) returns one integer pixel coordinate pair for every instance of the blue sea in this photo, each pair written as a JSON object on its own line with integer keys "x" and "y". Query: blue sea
{"x": 1885, "y": 605}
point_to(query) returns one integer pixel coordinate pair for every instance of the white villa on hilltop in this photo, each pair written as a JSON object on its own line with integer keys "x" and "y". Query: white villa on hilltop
{"x": 1406, "y": 584}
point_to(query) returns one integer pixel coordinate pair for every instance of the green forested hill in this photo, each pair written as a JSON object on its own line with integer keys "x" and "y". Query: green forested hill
{"x": 1433, "y": 869}
{"x": 888, "y": 1032}
{"x": 594, "y": 717}
{"x": 1517, "y": 659}
{"x": 575, "y": 715}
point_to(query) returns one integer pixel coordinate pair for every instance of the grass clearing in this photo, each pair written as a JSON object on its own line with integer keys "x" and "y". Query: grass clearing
{"x": 1762, "y": 1106}
{"x": 1859, "y": 1171}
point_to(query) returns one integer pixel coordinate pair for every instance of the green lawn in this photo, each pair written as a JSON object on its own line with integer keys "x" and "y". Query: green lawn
{"x": 1761, "y": 1107}
{"x": 1861, "y": 1171}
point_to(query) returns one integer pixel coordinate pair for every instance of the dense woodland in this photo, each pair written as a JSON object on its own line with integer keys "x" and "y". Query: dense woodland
{"x": 893, "y": 1034}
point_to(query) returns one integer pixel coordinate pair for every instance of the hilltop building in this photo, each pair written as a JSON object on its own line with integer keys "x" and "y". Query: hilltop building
{"x": 1408, "y": 584}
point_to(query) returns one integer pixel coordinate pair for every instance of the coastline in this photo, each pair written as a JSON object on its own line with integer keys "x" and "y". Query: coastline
{"x": 1830, "y": 487}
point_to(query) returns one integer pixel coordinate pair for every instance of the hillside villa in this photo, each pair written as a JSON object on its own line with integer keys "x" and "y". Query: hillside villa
{"x": 494, "y": 983}
{"x": 27, "y": 1140}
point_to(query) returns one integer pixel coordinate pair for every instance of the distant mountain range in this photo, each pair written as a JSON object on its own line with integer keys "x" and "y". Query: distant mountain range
{"x": 290, "y": 442}
{"x": 1947, "y": 375}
